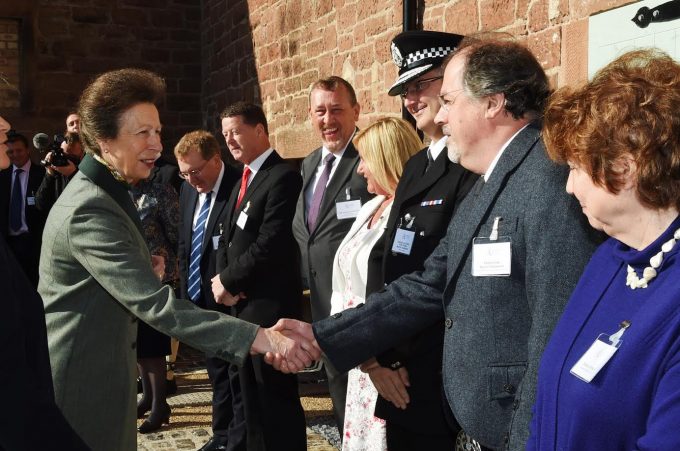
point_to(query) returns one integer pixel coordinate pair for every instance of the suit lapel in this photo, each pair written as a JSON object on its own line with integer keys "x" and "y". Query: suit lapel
{"x": 425, "y": 181}
{"x": 220, "y": 204}
{"x": 102, "y": 177}
{"x": 467, "y": 225}
{"x": 256, "y": 183}
{"x": 311, "y": 167}
{"x": 342, "y": 173}
{"x": 189, "y": 210}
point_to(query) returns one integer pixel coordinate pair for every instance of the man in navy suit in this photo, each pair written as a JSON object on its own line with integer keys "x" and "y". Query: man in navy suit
{"x": 21, "y": 222}
{"x": 208, "y": 183}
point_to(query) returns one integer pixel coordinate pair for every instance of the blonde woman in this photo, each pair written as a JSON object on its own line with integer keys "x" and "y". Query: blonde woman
{"x": 384, "y": 147}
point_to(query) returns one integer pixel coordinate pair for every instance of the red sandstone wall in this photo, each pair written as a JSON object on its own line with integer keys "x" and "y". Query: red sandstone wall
{"x": 214, "y": 52}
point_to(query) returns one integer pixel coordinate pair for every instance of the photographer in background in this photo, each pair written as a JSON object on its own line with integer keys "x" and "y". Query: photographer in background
{"x": 61, "y": 167}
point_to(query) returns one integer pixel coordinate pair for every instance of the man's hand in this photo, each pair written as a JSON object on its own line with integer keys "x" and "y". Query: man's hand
{"x": 288, "y": 351}
{"x": 390, "y": 384}
{"x": 222, "y": 296}
{"x": 66, "y": 171}
{"x": 302, "y": 333}
{"x": 158, "y": 265}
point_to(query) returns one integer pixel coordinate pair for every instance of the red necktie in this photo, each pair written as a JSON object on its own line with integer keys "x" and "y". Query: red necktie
{"x": 244, "y": 185}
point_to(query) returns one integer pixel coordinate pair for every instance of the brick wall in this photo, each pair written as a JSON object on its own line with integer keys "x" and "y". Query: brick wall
{"x": 68, "y": 42}
{"x": 214, "y": 52}
{"x": 9, "y": 64}
{"x": 297, "y": 41}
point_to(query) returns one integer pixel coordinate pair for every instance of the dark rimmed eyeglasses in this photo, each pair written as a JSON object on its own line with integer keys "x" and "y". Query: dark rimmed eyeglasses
{"x": 193, "y": 172}
{"x": 418, "y": 87}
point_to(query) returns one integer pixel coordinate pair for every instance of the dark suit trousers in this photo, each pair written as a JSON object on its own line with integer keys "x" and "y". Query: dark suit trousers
{"x": 403, "y": 439}
{"x": 276, "y": 421}
{"x": 26, "y": 250}
{"x": 228, "y": 418}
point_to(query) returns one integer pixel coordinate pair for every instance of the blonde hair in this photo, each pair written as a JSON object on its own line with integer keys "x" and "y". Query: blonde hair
{"x": 385, "y": 147}
{"x": 200, "y": 140}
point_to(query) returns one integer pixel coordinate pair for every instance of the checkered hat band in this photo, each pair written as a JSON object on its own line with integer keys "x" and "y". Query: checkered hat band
{"x": 434, "y": 52}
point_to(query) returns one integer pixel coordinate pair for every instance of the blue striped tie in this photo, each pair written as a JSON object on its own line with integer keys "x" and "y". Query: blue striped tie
{"x": 194, "y": 279}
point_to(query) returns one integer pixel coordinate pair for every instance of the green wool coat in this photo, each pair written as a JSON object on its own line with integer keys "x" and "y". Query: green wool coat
{"x": 96, "y": 280}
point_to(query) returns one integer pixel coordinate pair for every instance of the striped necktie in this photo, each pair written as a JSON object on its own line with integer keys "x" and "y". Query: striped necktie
{"x": 194, "y": 279}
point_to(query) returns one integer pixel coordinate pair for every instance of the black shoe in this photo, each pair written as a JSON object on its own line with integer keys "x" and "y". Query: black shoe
{"x": 155, "y": 421}
{"x": 213, "y": 445}
{"x": 142, "y": 409}
{"x": 170, "y": 386}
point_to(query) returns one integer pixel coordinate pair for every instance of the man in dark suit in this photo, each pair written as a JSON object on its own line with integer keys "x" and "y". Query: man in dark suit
{"x": 258, "y": 272}
{"x": 428, "y": 193}
{"x": 509, "y": 260}
{"x": 203, "y": 209}
{"x": 30, "y": 419}
{"x": 330, "y": 184}
{"x": 21, "y": 222}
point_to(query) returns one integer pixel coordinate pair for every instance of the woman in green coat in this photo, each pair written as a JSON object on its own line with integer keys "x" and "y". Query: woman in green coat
{"x": 96, "y": 274}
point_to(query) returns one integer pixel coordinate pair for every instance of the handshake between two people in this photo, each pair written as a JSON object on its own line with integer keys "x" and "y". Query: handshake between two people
{"x": 289, "y": 345}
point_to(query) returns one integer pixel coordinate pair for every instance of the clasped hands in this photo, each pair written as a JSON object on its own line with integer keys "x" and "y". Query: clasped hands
{"x": 289, "y": 345}
{"x": 391, "y": 384}
{"x": 222, "y": 296}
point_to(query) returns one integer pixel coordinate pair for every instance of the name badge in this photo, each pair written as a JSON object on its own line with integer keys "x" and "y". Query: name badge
{"x": 215, "y": 242}
{"x": 347, "y": 209}
{"x": 242, "y": 219}
{"x": 599, "y": 353}
{"x": 492, "y": 257}
{"x": 403, "y": 241}
{"x": 30, "y": 200}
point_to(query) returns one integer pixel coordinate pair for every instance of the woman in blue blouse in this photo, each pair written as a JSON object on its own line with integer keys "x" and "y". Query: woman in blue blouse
{"x": 620, "y": 136}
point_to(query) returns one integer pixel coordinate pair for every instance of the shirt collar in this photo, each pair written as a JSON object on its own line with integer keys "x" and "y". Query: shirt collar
{"x": 257, "y": 163}
{"x": 26, "y": 167}
{"x": 492, "y": 166}
{"x": 437, "y": 147}
{"x": 218, "y": 182}
{"x": 339, "y": 153}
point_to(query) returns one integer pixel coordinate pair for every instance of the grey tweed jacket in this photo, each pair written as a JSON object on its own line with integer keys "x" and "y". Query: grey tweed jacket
{"x": 495, "y": 327}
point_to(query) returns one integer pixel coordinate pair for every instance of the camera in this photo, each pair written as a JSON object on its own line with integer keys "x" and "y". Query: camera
{"x": 59, "y": 158}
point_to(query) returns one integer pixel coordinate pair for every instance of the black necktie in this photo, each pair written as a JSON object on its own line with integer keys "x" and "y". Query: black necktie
{"x": 430, "y": 160}
{"x": 16, "y": 202}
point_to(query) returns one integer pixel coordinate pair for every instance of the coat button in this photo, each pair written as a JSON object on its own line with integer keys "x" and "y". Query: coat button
{"x": 509, "y": 388}
{"x": 337, "y": 315}
{"x": 229, "y": 243}
{"x": 134, "y": 345}
{"x": 506, "y": 438}
{"x": 448, "y": 323}
{"x": 313, "y": 273}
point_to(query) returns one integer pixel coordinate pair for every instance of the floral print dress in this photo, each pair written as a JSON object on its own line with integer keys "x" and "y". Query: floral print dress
{"x": 362, "y": 430}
